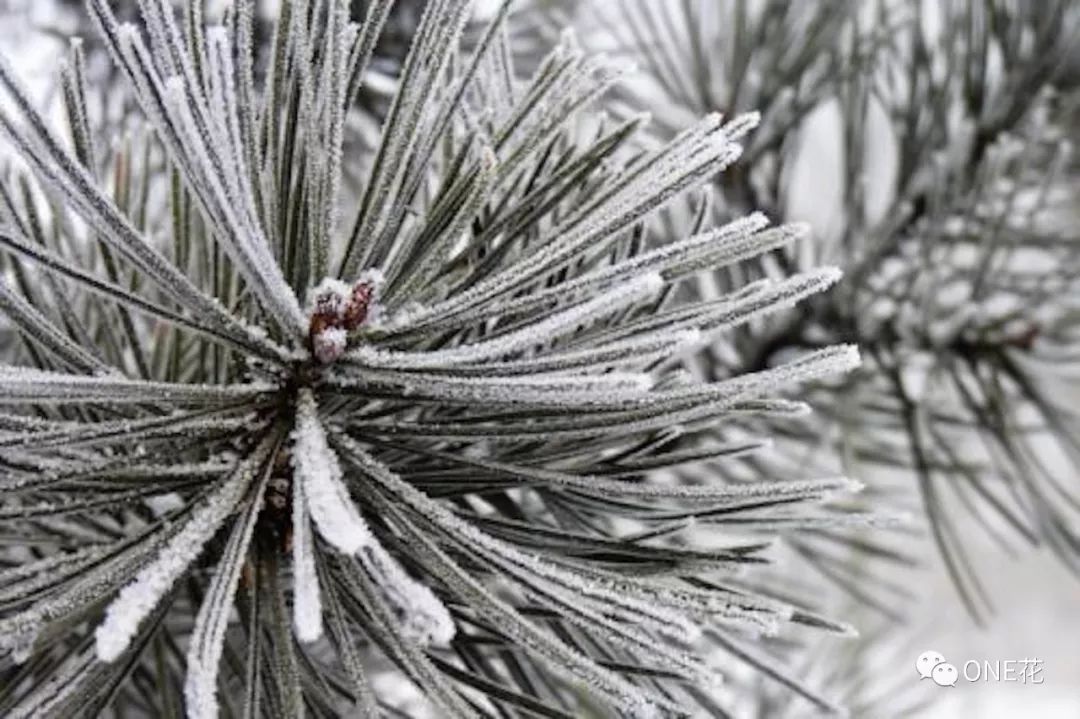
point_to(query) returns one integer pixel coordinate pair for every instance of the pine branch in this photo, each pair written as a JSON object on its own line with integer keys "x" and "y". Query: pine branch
{"x": 441, "y": 433}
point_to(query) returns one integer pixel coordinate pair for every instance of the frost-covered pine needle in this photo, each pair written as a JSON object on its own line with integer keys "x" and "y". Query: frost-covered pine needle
{"x": 307, "y": 605}
{"x": 153, "y": 582}
{"x": 423, "y": 618}
{"x": 319, "y": 474}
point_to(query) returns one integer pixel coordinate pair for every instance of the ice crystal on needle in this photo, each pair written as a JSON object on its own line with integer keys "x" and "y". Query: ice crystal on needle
{"x": 320, "y": 476}
{"x": 449, "y": 460}
{"x": 307, "y": 605}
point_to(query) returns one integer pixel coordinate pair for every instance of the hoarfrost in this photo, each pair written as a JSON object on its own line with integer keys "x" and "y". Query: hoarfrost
{"x": 336, "y": 515}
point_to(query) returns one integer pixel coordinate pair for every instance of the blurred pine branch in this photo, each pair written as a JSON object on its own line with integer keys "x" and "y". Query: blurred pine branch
{"x": 951, "y": 210}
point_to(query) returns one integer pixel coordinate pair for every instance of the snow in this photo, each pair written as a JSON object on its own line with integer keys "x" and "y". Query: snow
{"x": 424, "y": 618}
{"x": 319, "y": 473}
{"x": 331, "y": 295}
{"x": 307, "y": 605}
{"x": 329, "y": 344}
{"x": 320, "y": 488}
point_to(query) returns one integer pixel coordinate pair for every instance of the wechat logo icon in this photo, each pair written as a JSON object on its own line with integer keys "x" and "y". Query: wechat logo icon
{"x": 932, "y": 665}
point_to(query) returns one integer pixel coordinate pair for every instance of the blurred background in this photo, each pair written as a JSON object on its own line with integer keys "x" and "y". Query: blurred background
{"x": 930, "y": 146}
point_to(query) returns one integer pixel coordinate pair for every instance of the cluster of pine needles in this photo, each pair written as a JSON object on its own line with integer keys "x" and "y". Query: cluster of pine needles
{"x": 267, "y": 429}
